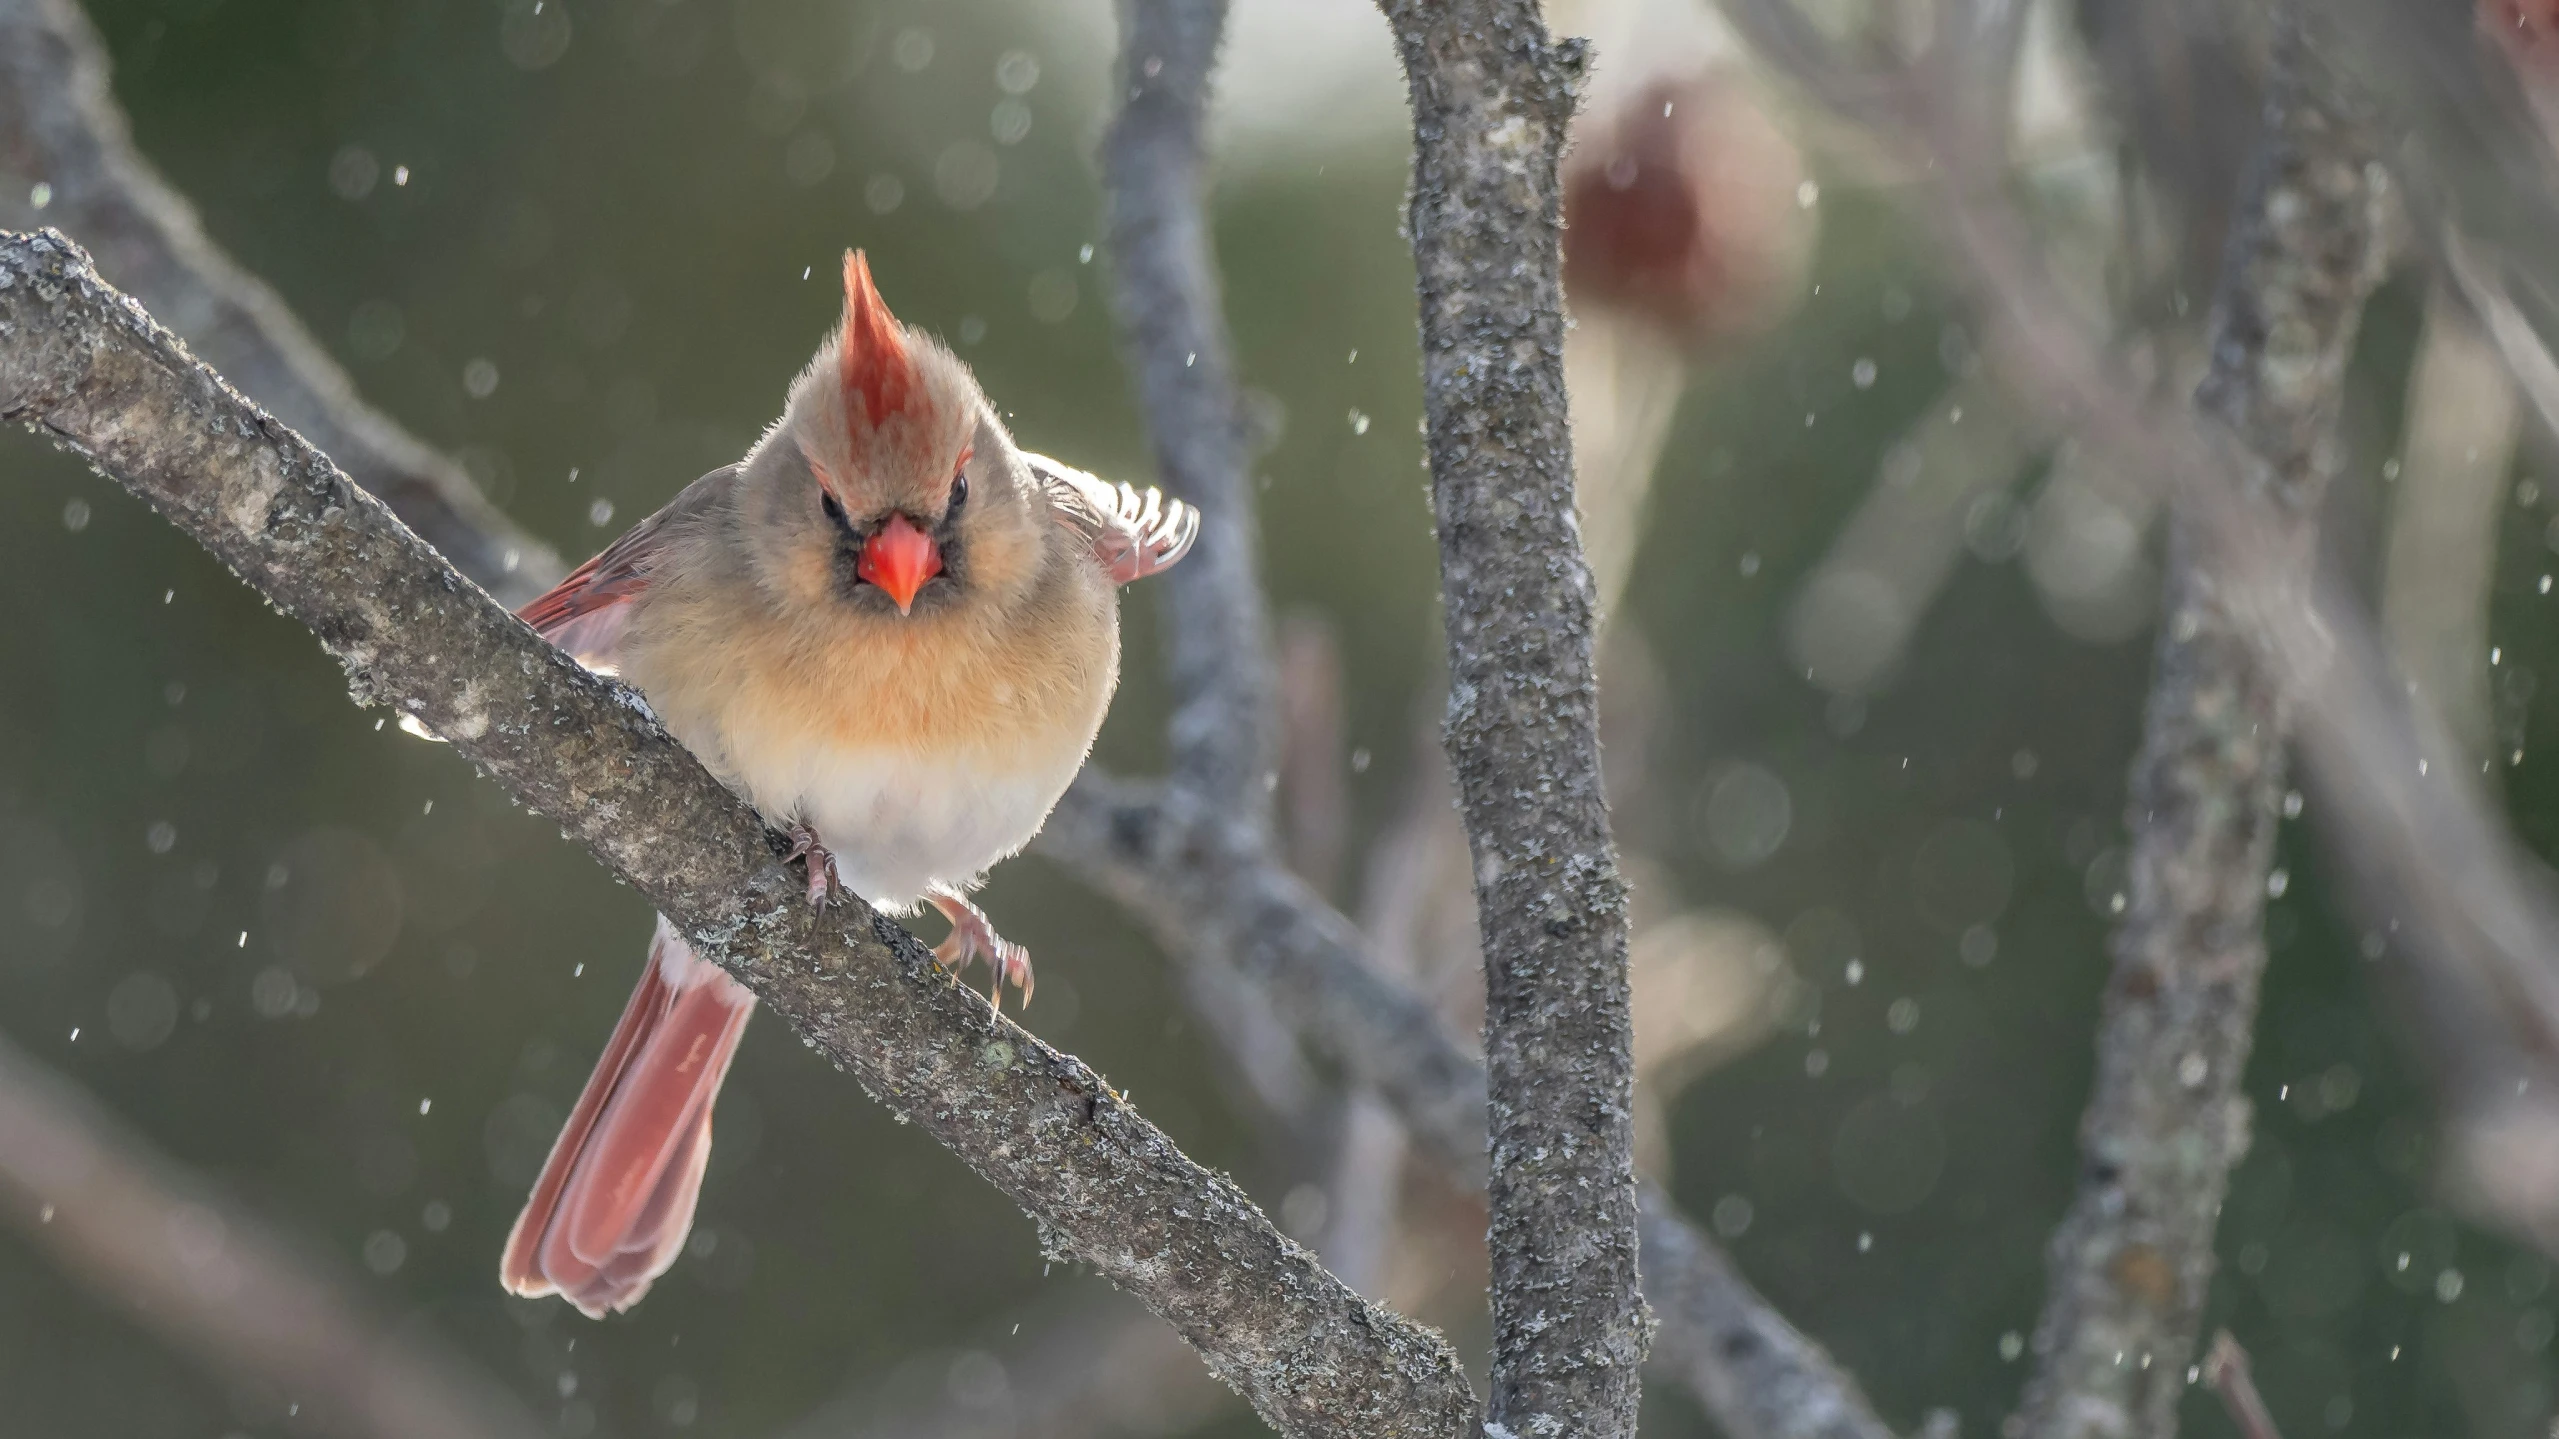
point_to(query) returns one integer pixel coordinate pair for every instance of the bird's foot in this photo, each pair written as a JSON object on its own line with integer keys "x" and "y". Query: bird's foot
{"x": 973, "y": 936}
{"x": 823, "y": 880}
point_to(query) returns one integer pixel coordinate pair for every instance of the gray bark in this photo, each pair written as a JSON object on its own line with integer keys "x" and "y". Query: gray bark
{"x": 59, "y": 125}
{"x": 1171, "y": 863}
{"x": 1492, "y": 95}
{"x": 1173, "y": 334}
{"x": 84, "y": 366}
{"x": 2132, "y": 1263}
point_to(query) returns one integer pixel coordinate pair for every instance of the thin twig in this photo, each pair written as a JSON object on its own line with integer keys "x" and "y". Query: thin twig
{"x": 60, "y": 128}
{"x": 2226, "y": 1370}
{"x": 1492, "y": 96}
{"x": 2132, "y": 1262}
{"x": 86, "y": 367}
{"x": 216, "y": 1282}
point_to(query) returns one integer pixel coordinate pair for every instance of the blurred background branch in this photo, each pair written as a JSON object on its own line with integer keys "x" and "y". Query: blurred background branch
{"x": 2132, "y": 1263}
{"x": 221, "y": 1284}
{"x": 63, "y": 136}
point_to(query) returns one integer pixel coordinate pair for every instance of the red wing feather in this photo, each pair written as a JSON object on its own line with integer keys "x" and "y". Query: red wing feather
{"x": 584, "y": 613}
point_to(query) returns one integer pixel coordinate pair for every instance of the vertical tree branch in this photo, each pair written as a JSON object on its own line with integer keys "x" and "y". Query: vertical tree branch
{"x": 2131, "y": 1264}
{"x": 1173, "y": 334}
{"x": 1491, "y": 97}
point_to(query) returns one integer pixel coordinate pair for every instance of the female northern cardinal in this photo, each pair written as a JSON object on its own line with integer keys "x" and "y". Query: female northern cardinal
{"x": 893, "y": 632}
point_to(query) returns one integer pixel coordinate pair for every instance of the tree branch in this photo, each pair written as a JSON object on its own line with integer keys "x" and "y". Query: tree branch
{"x": 2132, "y": 1262}
{"x": 85, "y": 366}
{"x": 2226, "y": 1370}
{"x": 1492, "y": 96}
{"x": 213, "y": 1281}
{"x": 1756, "y": 1374}
{"x": 59, "y": 125}
{"x": 1203, "y": 879}
{"x": 1173, "y": 335}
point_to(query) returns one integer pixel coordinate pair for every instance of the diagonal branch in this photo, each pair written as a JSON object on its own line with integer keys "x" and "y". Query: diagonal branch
{"x": 59, "y": 127}
{"x": 2133, "y": 1261}
{"x": 218, "y": 1284}
{"x": 1492, "y": 96}
{"x": 1206, "y": 880}
{"x": 85, "y": 366}
{"x": 1756, "y": 1374}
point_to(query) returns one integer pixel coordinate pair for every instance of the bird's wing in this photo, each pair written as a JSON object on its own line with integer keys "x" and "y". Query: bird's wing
{"x": 1134, "y": 532}
{"x": 585, "y": 613}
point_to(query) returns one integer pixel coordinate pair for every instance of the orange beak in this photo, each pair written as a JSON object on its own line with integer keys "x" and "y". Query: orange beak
{"x": 899, "y": 558}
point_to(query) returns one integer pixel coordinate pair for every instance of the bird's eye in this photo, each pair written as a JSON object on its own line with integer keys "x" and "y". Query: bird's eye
{"x": 959, "y": 489}
{"x": 834, "y": 511}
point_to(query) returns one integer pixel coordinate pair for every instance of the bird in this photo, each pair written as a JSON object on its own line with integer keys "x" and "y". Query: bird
{"x": 893, "y": 632}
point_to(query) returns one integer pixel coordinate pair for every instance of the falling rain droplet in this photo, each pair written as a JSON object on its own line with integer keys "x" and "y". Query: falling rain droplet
{"x": 1862, "y": 374}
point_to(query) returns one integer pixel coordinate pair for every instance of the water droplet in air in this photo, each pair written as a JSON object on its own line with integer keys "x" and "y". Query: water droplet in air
{"x": 1016, "y": 71}
{"x": 1862, "y": 374}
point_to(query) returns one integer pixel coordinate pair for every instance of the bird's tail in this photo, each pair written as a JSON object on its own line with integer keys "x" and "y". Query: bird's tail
{"x": 615, "y": 1200}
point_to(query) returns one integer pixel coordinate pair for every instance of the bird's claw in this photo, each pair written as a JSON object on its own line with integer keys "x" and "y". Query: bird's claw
{"x": 823, "y": 880}
{"x": 973, "y": 937}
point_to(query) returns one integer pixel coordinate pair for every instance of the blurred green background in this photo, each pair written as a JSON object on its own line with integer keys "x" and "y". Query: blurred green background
{"x": 613, "y": 244}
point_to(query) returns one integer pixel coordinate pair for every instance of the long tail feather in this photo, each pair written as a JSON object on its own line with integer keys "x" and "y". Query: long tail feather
{"x": 615, "y": 1200}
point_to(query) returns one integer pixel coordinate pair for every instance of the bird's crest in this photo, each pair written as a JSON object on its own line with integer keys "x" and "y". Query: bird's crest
{"x": 878, "y": 374}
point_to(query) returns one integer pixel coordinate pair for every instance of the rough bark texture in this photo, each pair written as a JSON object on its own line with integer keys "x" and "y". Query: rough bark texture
{"x": 2131, "y": 1264}
{"x": 1491, "y": 96}
{"x": 1173, "y": 333}
{"x": 59, "y": 126}
{"x": 1756, "y": 1374}
{"x": 84, "y": 366}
